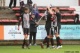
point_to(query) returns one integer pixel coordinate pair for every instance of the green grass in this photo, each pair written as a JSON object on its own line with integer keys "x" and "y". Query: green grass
{"x": 37, "y": 49}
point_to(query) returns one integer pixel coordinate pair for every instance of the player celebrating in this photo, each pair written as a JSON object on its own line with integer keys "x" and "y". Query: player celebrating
{"x": 48, "y": 28}
{"x": 57, "y": 26}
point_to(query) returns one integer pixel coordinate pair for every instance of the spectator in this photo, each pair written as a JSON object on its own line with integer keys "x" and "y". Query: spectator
{"x": 21, "y": 3}
{"x": 35, "y": 10}
{"x": 76, "y": 19}
{"x": 2, "y": 3}
{"x": 29, "y": 2}
{"x": 33, "y": 29}
{"x": 11, "y": 2}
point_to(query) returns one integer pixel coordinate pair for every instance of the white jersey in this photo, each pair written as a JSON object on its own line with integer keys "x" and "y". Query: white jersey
{"x": 26, "y": 22}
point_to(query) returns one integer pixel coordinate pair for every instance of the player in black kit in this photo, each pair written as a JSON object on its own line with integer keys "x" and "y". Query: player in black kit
{"x": 48, "y": 27}
{"x": 57, "y": 27}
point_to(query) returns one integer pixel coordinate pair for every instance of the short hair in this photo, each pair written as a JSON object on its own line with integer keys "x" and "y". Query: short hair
{"x": 58, "y": 8}
{"x": 26, "y": 8}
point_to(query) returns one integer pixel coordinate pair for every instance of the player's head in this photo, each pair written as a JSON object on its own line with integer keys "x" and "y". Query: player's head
{"x": 57, "y": 9}
{"x": 49, "y": 7}
{"x": 26, "y": 10}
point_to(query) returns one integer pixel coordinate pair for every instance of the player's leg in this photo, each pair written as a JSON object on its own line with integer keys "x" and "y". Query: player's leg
{"x": 0, "y": 4}
{"x": 4, "y": 4}
{"x": 14, "y": 3}
{"x": 27, "y": 32}
{"x": 24, "y": 38}
{"x": 42, "y": 43}
{"x": 48, "y": 36}
{"x": 25, "y": 42}
{"x": 30, "y": 38}
{"x": 46, "y": 40}
{"x": 34, "y": 38}
{"x": 58, "y": 37}
{"x": 11, "y": 1}
{"x": 51, "y": 39}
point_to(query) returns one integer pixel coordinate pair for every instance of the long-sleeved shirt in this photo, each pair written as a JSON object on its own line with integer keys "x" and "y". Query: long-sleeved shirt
{"x": 33, "y": 27}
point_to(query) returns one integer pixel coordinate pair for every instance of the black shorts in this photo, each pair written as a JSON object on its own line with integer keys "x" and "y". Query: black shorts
{"x": 25, "y": 31}
{"x": 49, "y": 31}
{"x": 57, "y": 30}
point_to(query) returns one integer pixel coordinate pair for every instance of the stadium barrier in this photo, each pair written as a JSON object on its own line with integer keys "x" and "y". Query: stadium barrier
{"x": 11, "y": 32}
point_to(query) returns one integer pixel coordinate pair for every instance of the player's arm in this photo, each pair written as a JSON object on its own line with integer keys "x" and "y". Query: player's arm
{"x": 50, "y": 10}
{"x": 19, "y": 23}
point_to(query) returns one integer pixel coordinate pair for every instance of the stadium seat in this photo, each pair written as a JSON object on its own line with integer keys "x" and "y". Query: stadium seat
{"x": 65, "y": 14}
{"x": 41, "y": 8}
{"x": 70, "y": 20}
{"x": 63, "y": 20}
{"x": 71, "y": 9}
{"x": 16, "y": 9}
{"x": 68, "y": 9}
{"x": 67, "y": 20}
{"x": 13, "y": 20}
{"x": 17, "y": 14}
{"x": 8, "y": 20}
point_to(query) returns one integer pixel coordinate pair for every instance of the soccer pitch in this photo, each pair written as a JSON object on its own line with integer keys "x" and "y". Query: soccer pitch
{"x": 37, "y": 49}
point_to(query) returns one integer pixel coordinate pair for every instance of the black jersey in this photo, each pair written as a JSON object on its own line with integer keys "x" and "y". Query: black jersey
{"x": 58, "y": 16}
{"x": 48, "y": 21}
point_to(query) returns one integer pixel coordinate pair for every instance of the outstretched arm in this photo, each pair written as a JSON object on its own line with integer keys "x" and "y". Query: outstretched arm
{"x": 50, "y": 10}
